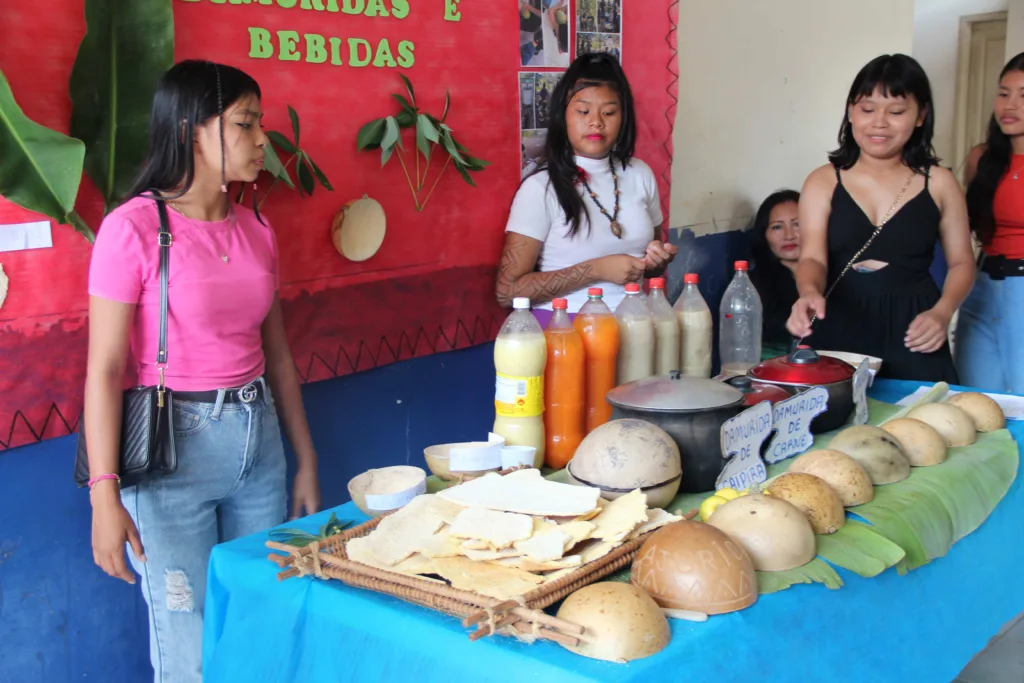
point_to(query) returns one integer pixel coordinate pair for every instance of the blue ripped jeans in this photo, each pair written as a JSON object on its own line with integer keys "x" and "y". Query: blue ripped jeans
{"x": 230, "y": 482}
{"x": 990, "y": 336}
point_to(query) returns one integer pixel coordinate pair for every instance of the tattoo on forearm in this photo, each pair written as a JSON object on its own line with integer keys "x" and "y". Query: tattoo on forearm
{"x": 538, "y": 287}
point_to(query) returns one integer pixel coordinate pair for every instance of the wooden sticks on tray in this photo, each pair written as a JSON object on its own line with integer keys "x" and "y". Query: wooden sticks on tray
{"x": 528, "y": 622}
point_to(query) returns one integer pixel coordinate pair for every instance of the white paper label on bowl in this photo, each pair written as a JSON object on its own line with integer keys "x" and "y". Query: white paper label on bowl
{"x": 792, "y": 420}
{"x": 476, "y": 457}
{"x": 515, "y": 456}
{"x": 742, "y": 437}
{"x": 861, "y": 382}
{"x": 392, "y": 501}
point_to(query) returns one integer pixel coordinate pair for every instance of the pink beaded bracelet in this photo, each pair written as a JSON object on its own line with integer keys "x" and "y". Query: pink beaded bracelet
{"x": 101, "y": 477}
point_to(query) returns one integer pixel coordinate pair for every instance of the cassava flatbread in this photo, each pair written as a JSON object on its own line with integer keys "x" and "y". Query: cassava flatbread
{"x": 544, "y": 547}
{"x": 399, "y": 534}
{"x": 489, "y": 555}
{"x": 441, "y": 544}
{"x": 499, "y": 529}
{"x": 525, "y": 493}
{"x": 526, "y": 564}
{"x": 485, "y": 578}
{"x": 656, "y": 518}
{"x": 444, "y": 509}
{"x": 620, "y": 516}
{"x": 361, "y": 550}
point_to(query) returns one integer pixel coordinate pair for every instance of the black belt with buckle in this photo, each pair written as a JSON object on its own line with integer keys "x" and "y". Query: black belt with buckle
{"x": 253, "y": 391}
{"x": 999, "y": 267}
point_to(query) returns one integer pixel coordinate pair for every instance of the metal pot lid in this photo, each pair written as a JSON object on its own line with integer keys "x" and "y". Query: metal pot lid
{"x": 803, "y": 366}
{"x": 673, "y": 393}
{"x": 755, "y": 392}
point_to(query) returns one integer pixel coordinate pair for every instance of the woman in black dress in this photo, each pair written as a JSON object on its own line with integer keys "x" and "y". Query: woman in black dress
{"x": 884, "y": 173}
{"x": 774, "y": 254}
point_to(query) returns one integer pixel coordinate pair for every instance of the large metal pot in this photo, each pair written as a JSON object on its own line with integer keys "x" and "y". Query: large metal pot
{"x": 804, "y": 369}
{"x": 692, "y": 411}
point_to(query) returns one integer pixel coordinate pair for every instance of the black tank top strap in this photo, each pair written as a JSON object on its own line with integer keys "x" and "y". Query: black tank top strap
{"x": 927, "y": 177}
{"x": 839, "y": 178}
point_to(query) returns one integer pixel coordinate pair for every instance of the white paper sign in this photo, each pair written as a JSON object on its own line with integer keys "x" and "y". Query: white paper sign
{"x": 742, "y": 437}
{"x": 516, "y": 456}
{"x": 19, "y": 236}
{"x": 861, "y": 382}
{"x": 392, "y": 501}
{"x": 792, "y": 421}
{"x": 476, "y": 456}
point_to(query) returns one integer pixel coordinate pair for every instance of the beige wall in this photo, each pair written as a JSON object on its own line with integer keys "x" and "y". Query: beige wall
{"x": 1015, "y": 29}
{"x": 761, "y": 93}
{"x": 936, "y": 41}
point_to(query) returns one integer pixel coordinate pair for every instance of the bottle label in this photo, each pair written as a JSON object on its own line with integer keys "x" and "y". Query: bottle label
{"x": 518, "y": 396}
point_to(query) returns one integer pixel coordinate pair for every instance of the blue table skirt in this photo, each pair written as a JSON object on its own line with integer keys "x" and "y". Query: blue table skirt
{"x": 923, "y": 627}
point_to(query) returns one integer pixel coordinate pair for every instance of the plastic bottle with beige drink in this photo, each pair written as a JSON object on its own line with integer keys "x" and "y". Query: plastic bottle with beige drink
{"x": 636, "y": 337}
{"x": 520, "y": 355}
{"x": 666, "y": 329}
{"x": 696, "y": 329}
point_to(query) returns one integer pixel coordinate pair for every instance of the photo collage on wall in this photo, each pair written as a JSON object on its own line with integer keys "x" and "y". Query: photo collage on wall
{"x": 535, "y": 88}
{"x": 545, "y": 43}
{"x": 599, "y": 27}
{"x": 544, "y": 33}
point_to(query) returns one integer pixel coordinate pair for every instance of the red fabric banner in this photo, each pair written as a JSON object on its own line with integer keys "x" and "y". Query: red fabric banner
{"x": 430, "y": 287}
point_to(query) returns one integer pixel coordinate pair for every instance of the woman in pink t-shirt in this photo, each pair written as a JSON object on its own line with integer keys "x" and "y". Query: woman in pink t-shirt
{"x": 228, "y": 362}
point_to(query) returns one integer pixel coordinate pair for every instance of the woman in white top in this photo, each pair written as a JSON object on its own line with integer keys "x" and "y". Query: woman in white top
{"x": 590, "y": 215}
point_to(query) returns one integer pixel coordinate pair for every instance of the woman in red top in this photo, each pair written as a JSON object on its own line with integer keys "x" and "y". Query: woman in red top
{"x": 989, "y": 351}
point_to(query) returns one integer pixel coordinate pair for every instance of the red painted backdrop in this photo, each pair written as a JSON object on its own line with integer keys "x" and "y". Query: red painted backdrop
{"x": 429, "y": 289}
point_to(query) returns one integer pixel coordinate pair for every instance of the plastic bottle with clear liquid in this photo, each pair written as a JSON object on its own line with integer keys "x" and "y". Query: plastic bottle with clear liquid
{"x": 740, "y": 315}
{"x": 564, "y": 388}
{"x": 520, "y": 356}
{"x": 696, "y": 329}
{"x": 666, "y": 329}
{"x": 636, "y": 337}
{"x": 596, "y": 324}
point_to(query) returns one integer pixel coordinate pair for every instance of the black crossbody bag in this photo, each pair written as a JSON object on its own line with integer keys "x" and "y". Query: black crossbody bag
{"x": 147, "y": 434}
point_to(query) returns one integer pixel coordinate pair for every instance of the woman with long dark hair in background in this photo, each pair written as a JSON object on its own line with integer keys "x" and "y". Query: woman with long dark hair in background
{"x": 885, "y": 173}
{"x": 228, "y": 364}
{"x": 775, "y": 252}
{"x": 989, "y": 352}
{"x": 590, "y": 215}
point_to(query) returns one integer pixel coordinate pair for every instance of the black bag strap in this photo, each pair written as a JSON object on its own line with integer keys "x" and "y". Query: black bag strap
{"x": 164, "y": 240}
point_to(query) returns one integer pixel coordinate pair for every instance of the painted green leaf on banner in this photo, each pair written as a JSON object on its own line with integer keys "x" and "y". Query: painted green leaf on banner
{"x": 40, "y": 169}
{"x": 126, "y": 49}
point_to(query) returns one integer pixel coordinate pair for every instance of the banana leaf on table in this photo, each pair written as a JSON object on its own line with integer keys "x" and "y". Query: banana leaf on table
{"x": 909, "y": 523}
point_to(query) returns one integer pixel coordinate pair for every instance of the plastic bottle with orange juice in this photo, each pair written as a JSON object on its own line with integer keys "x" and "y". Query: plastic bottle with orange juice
{"x": 596, "y": 325}
{"x": 564, "y": 388}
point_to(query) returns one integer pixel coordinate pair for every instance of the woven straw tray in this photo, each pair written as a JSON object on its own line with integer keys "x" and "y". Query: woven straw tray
{"x": 522, "y": 617}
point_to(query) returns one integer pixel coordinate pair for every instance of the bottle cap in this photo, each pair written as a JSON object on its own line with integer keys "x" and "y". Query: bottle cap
{"x": 521, "y": 303}
{"x": 595, "y": 291}
{"x": 632, "y": 288}
{"x": 691, "y": 279}
{"x": 560, "y": 304}
{"x": 658, "y": 283}
{"x": 741, "y": 265}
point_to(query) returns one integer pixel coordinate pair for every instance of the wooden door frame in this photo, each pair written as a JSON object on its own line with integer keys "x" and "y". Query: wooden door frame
{"x": 963, "y": 72}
